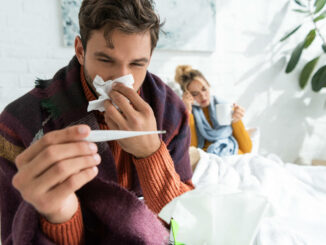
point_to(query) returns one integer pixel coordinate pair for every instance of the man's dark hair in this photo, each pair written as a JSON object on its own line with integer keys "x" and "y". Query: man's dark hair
{"x": 128, "y": 16}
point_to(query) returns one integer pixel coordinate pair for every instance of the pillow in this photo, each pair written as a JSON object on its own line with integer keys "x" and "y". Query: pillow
{"x": 255, "y": 139}
{"x": 175, "y": 87}
{"x": 194, "y": 157}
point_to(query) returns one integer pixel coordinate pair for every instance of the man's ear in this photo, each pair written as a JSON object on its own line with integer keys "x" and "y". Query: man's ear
{"x": 79, "y": 50}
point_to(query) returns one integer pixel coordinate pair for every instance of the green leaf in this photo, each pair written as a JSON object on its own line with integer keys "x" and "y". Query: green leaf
{"x": 324, "y": 47}
{"x": 290, "y": 33}
{"x": 306, "y": 72}
{"x": 301, "y": 11}
{"x": 319, "y": 4}
{"x": 309, "y": 38}
{"x": 295, "y": 56}
{"x": 318, "y": 81}
{"x": 320, "y": 17}
{"x": 300, "y": 3}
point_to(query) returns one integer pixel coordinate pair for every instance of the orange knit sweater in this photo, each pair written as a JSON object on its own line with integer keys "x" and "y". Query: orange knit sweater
{"x": 159, "y": 181}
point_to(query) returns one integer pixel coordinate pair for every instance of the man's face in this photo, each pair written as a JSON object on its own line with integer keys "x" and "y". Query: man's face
{"x": 130, "y": 54}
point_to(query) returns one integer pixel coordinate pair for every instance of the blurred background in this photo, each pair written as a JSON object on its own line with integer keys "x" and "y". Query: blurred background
{"x": 239, "y": 51}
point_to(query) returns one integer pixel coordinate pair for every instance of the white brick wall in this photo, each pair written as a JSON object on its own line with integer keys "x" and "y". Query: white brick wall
{"x": 245, "y": 67}
{"x": 30, "y": 45}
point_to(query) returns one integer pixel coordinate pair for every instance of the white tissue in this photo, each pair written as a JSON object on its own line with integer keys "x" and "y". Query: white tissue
{"x": 104, "y": 88}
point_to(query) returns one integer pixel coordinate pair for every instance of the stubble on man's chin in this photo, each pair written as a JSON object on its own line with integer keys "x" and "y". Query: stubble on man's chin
{"x": 87, "y": 76}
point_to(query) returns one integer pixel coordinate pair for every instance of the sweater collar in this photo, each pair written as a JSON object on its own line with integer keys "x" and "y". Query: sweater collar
{"x": 89, "y": 94}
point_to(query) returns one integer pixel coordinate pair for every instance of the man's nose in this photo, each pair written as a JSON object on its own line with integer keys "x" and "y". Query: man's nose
{"x": 122, "y": 71}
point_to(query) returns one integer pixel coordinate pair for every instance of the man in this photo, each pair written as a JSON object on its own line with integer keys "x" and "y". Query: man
{"x": 58, "y": 189}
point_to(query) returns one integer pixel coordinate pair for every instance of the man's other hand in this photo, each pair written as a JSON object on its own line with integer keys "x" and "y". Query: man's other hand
{"x": 134, "y": 114}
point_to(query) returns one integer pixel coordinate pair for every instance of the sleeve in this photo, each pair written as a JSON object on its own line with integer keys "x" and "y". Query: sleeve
{"x": 193, "y": 133}
{"x": 68, "y": 233}
{"x": 242, "y": 137}
{"x": 159, "y": 180}
{"x": 20, "y": 222}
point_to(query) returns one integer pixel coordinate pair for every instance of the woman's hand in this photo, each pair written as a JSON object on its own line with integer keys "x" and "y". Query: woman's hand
{"x": 238, "y": 113}
{"x": 188, "y": 100}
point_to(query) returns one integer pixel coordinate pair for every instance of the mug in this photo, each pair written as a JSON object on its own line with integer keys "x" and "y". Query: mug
{"x": 224, "y": 113}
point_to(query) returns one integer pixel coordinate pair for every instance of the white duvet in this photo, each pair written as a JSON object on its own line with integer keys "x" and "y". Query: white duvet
{"x": 297, "y": 194}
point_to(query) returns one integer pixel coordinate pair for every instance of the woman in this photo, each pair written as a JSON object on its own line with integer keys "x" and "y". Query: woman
{"x": 206, "y": 133}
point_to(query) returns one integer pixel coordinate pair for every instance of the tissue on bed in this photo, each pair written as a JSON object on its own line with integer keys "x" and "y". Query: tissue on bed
{"x": 104, "y": 88}
{"x": 216, "y": 214}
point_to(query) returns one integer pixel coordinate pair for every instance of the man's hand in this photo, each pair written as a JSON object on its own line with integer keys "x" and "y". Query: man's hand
{"x": 133, "y": 114}
{"x": 53, "y": 168}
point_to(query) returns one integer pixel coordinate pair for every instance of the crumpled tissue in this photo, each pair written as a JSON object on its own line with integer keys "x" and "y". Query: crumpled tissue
{"x": 216, "y": 214}
{"x": 104, "y": 88}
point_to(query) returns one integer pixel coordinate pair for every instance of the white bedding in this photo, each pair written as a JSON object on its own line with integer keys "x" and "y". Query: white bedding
{"x": 297, "y": 194}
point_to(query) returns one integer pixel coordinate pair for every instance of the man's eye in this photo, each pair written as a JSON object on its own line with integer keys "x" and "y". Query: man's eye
{"x": 137, "y": 64}
{"x": 106, "y": 61}
{"x": 194, "y": 95}
{"x": 204, "y": 89}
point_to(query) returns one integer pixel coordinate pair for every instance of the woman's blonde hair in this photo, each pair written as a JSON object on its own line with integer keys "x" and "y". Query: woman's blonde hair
{"x": 184, "y": 75}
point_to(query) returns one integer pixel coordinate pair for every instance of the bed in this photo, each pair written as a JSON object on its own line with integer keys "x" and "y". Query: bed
{"x": 296, "y": 195}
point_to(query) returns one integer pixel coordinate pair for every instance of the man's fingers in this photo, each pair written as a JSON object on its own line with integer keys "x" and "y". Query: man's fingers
{"x": 70, "y": 134}
{"x": 56, "y": 153}
{"x": 73, "y": 183}
{"x": 138, "y": 103}
{"x": 125, "y": 108}
{"x": 51, "y": 155}
{"x": 113, "y": 115}
{"x": 112, "y": 125}
{"x": 123, "y": 103}
{"x": 61, "y": 171}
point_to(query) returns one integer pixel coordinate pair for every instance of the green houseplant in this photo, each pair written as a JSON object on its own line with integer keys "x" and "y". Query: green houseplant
{"x": 312, "y": 11}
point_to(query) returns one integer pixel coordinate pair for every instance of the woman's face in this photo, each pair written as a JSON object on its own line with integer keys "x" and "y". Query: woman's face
{"x": 199, "y": 89}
